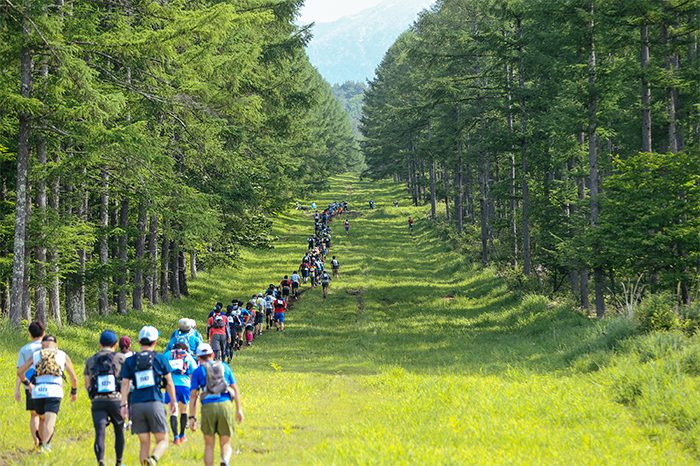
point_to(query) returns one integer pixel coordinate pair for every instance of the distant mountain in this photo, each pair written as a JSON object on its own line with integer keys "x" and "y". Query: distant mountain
{"x": 351, "y": 48}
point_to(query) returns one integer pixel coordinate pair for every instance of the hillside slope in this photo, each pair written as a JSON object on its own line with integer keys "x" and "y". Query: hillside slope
{"x": 415, "y": 358}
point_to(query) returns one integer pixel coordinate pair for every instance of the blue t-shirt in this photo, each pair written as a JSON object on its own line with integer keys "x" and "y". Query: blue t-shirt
{"x": 194, "y": 339}
{"x": 146, "y": 383}
{"x": 181, "y": 380}
{"x": 199, "y": 382}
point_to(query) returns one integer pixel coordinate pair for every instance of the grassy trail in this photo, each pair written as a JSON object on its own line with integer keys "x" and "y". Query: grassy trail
{"x": 414, "y": 358}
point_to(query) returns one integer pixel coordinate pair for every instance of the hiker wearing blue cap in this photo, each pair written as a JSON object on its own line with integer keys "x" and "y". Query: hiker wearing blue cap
{"x": 102, "y": 384}
{"x": 148, "y": 371}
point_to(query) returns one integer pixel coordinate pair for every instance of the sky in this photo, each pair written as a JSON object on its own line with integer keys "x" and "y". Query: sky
{"x": 325, "y": 11}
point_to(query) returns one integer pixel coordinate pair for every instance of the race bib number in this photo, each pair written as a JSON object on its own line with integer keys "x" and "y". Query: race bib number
{"x": 47, "y": 390}
{"x": 177, "y": 364}
{"x": 145, "y": 379}
{"x": 106, "y": 384}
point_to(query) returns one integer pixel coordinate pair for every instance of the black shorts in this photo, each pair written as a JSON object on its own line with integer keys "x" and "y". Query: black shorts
{"x": 28, "y": 402}
{"x": 46, "y": 405}
{"x": 295, "y": 285}
{"x": 285, "y": 291}
{"x": 326, "y": 285}
{"x": 238, "y": 329}
{"x": 258, "y": 318}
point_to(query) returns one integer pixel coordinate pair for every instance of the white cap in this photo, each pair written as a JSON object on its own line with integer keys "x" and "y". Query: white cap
{"x": 185, "y": 324}
{"x": 259, "y": 295}
{"x": 149, "y": 333}
{"x": 204, "y": 349}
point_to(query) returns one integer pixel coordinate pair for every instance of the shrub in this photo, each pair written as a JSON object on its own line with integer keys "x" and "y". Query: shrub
{"x": 690, "y": 318}
{"x": 656, "y": 312}
{"x": 658, "y": 345}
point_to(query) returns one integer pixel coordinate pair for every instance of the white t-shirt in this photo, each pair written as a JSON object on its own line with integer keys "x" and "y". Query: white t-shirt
{"x": 27, "y": 352}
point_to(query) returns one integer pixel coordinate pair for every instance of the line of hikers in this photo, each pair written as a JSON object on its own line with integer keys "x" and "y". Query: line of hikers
{"x": 124, "y": 385}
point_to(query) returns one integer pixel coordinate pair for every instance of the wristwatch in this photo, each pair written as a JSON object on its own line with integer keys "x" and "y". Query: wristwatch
{"x": 26, "y": 382}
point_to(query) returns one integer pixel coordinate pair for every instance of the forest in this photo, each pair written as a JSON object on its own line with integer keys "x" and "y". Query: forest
{"x": 557, "y": 140}
{"x": 141, "y": 141}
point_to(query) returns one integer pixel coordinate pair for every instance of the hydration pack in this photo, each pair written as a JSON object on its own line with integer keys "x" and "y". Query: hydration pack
{"x": 48, "y": 364}
{"x": 218, "y": 322}
{"x": 177, "y": 367}
{"x": 216, "y": 382}
{"x": 103, "y": 375}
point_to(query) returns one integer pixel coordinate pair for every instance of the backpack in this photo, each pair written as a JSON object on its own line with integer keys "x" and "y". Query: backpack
{"x": 218, "y": 322}
{"x": 216, "y": 382}
{"x": 48, "y": 365}
{"x": 178, "y": 361}
{"x": 335, "y": 263}
{"x": 145, "y": 376}
{"x": 103, "y": 375}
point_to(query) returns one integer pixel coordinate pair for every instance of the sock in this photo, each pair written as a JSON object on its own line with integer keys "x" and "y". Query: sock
{"x": 183, "y": 424}
{"x": 153, "y": 457}
{"x": 173, "y": 424}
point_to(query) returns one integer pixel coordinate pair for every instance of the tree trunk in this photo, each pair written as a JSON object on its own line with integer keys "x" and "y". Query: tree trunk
{"x": 182, "y": 269}
{"x": 21, "y": 215}
{"x": 175, "y": 269}
{"x": 484, "y": 208}
{"x": 672, "y": 65}
{"x": 513, "y": 185}
{"x": 26, "y": 290}
{"x": 52, "y": 258}
{"x": 527, "y": 262}
{"x": 142, "y": 224}
{"x": 433, "y": 195}
{"x": 123, "y": 255}
{"x": 646, "y": 89}
{"x": 459, "y": 187}
{"x": 598, "y": 275}
{"x": 446, "y": 187}
{"x": 193, "y": 264}
{"x": 103, "y": 301}
{"x": 164, "y": 266}
{"x": 152, "y": 275}
{"x": 40, "y": 250}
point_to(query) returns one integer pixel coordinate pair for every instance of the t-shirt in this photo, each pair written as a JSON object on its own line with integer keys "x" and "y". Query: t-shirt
{"x": 217, "y": 331}
{"x": 146, "y": 383}
{"x": 27, "y": 351}
{"x": 296, "y": 278}
{"x": 177, "y": 365}
{"x": 199, "y": 381}
{"x": 280, "y": 306}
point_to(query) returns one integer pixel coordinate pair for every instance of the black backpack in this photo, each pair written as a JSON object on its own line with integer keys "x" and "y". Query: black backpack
{"x": 103, "y": 375}
{"x": 144, "y": 362}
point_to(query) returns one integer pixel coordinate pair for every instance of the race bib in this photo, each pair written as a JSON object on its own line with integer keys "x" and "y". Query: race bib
{"x": 106, "y": 384}
{"x": 47, "y": 390}
{"x": 177, "y": 364}
{"x": 145, "y": 379}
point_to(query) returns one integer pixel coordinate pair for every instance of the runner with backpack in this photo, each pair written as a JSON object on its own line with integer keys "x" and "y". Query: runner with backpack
{"x": 296, "y": 281}
{"x": 335, "y": 266}
{"x": 187, "y": 332}
{"x": 26, "y": 353}
{"x": 217, "y": 332}
{"x": 325, "y": 283}
{"x": 213, "y": 382}
{"x": 347, "y": 226}
{"x": 103, "y": 385}
{"x": 280, "y": 308}
{"x": 182, "y": 365}
{"x": 148, "y": 371}
{"x": 49, "y": 365}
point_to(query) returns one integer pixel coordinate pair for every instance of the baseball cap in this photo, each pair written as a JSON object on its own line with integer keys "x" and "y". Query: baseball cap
{"x": 108, "y": 338}
{"x": 204, "y": 349}
{"x": 149, "y": 333}
{"x": 184, "y": 324}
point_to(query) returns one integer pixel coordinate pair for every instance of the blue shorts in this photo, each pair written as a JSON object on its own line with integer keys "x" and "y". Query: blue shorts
{"x": 182, "y": 395}
{"x": 279, "y": 317}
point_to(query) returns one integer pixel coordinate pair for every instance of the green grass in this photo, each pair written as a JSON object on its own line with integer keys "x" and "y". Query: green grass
{"x": 414, "y": 358}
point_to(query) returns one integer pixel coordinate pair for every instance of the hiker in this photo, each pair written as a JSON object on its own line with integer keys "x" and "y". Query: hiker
{"x": 259, "y": 315}
{"x": 269, "y": 311}
{"x": 325, "y": 283}
{"x": 48, "y": 364}
{"x": 187, "y": 332}
{"x": 280, "y": 308}
{"x": 312, "y": 242}
{"x": 296, "y": 282}
{"x": 249, "y": 322}
{"x": 26, "y": 353}
{"x": 396, "y": 203}
{"x": 213, "y": 382}
{"x": 410, "y": 223}
{"x": 371, "y": 204}
{"x": 148, "y": 371}
{"x": 182, "y": 365}
{"x": 305, "y": 272}
{"x": 217, "y": 332}
{"x": 347, "y": 226}
{"x": 286, "y": 286}
{"x": 335, "y": 266}
{"x": 235, "y": 325}
{"x": 102, "y": 382}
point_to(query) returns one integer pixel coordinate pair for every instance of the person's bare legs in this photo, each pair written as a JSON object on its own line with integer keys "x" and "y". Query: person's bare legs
{"x": 161, "y": 444}
{"x": 34, "y": 427}
{"x": 209, "y": 441}
{"x": 47, "y": 423}
{"x": 226, "y": 450}
{"x": 145, "y": 443}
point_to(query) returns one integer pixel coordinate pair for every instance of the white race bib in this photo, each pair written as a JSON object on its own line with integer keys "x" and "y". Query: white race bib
{"x": 177, "y": 364}
{"x": 106, "y": 384}
{"x": 145, "y": 379}
{"x": 47, "y": 390}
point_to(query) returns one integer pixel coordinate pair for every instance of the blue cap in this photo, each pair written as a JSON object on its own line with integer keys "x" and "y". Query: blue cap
{"x": 108, "y": 338}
